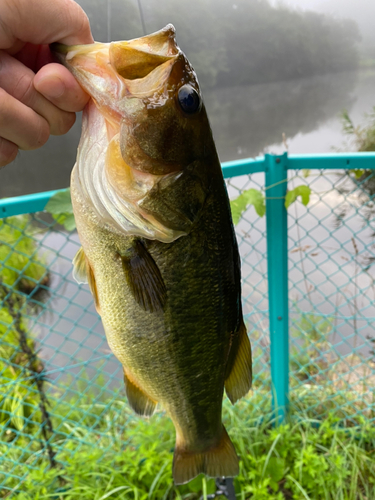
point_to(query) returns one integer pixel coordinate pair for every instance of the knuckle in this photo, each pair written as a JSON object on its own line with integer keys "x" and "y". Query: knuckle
{"x": 83, "y": 23}
{"x": 38, "y": 137}
{"x": 81, "y": 20}
{"x": 63, "y": 124}
{"x": 4, "y": 106}
{"x": 77, "y": 17}
{"x": 23, "y": 89}
{"x": 42, "y": 134}
{"x": 26, "y": 128}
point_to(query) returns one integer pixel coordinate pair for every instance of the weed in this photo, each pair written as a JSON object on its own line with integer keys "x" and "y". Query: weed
{"x": 20, "y": 265}
{"x": 124, "y": 457}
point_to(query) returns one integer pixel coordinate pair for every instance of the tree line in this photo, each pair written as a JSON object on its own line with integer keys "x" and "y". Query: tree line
{"x": 237, "y": 41}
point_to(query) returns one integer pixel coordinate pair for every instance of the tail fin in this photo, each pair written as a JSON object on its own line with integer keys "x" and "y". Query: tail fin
{"x": 219, "y": 461}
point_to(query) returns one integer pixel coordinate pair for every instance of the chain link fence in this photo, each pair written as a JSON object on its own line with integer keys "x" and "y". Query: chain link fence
{"x": 58, "y": 376}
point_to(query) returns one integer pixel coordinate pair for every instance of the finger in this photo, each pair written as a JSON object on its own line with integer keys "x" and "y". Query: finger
{"x": 8, "y": 152}
{"x": 58, "y": 85}
{"x": 17, "y": 81}
{"x": 20, "y": 124}
{"x": 43, "y": 21}
{"x": 33, "y": 56}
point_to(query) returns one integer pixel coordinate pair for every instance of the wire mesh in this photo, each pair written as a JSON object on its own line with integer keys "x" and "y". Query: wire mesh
{"x": 58, "y": 377}
{"x": 331, "y": 294}
{"x": 52, "y": 348}
{"x": 251, "y": 237}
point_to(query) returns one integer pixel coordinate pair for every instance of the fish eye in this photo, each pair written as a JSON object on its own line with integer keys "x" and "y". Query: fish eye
{"x": 189, "y": 99}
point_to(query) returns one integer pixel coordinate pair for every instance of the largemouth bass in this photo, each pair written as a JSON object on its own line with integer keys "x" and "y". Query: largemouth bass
{"x": 158, "y": 246}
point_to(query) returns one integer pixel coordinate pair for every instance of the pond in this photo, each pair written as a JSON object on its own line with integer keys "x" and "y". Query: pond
{"x": 246, "y": 121}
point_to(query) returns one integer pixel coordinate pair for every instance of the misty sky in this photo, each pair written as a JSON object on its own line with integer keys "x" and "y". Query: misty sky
{"x": 362, "y": 11}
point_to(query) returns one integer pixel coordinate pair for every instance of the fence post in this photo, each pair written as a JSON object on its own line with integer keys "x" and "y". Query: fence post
{"x": 277, "y": 261}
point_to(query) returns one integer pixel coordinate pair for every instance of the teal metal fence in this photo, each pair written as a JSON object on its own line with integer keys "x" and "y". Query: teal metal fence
{"x": 308, "y": 296}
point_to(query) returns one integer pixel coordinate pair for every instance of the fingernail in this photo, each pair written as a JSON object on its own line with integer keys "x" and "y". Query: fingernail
{"x": 51, "y": 87}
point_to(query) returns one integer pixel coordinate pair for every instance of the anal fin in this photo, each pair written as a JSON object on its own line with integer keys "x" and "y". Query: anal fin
{"x": 238, "y": 381}
{"x": 144, "y": 277}
{"x": 218, "y": 461}
{"x": 138, "y": 400}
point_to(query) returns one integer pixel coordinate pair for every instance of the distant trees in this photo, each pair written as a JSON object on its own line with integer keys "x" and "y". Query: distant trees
{"x": 249, "y": 41}
{"x": 238, "y": 41}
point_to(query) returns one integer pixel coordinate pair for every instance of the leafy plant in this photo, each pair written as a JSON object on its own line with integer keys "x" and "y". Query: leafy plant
{"x": 256, "y": 198}
{"x": 22, "y": 269}
{"x": 308, "y": 357}
{"x": 20, "y": 265}
{"x": 124, "y": 457}
{"x": 18, "y": 396}
{"x": 61, "y": 209}
{"x": 302, "y": 191}
{"x": 250, "y": 197}
{"x": 360, "y": 137}
{"x": 358, "y": 184}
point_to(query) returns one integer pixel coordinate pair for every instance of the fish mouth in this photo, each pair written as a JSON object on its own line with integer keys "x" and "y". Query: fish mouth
{"x": 109, "y": 72}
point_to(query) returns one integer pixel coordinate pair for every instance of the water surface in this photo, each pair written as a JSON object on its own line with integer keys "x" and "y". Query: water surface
{"x": 246, "y": 121}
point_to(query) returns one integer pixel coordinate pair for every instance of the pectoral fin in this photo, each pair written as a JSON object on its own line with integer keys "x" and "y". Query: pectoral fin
{"x": 80, "y": 267}
{"x": 238, "y": 381}
{"x": 138, "y": 400}
{"x": 144, "y": 278}
{"x": 83, "y": 273}
{"x": 177, "y": 200}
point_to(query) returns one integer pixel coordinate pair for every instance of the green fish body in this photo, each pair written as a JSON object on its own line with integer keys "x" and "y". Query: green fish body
{"x": 158, "y": 246}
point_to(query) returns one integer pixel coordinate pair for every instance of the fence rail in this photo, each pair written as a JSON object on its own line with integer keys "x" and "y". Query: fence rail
{"x": 307, "y": 280}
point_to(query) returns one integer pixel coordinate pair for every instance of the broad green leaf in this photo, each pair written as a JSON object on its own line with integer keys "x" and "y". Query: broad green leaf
{"x": 60, "y": 203}
{"x": 250, "y": 197}
{"x": 66, "y": 220}
{"x": 357, "y": 172}
{"x": 275, "y": 468}
{"x": 291, "y": 196}
{"x": 60, "y": 206}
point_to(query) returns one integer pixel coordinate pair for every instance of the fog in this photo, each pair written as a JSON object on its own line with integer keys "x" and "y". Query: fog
{"x": 361, "y": 11}
{"x": 265, "y": 68}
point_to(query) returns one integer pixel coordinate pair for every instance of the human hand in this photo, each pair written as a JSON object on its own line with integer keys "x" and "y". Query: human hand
{"x": 37, "y": 96}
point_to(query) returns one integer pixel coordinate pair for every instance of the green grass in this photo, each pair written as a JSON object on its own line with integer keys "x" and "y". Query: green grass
{"x": 20, "y": 265}
{"x": 22, "y": 269}
{"x": 325, "y": 451}
{"x": 107, "y": 452}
